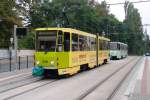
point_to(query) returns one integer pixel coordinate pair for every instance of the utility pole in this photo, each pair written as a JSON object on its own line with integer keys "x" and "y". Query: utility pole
{"x": 10, "y": 52}
{"x": 97, "y": 48}
{"x": 126, "y": 5}
{"x": 15, "y": 43}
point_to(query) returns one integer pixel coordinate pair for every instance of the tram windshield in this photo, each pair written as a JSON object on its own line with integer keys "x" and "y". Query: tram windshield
{"x": 46, "y": 41}
{"x": 113, "y": 46}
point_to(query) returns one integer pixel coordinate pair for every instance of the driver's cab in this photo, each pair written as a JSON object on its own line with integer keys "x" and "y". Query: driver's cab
{"x": 52, "y": 46}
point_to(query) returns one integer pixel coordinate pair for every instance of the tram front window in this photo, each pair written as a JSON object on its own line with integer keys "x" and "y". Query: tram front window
{"x": 46, "y": 41}
{"x": 113, "y": 46}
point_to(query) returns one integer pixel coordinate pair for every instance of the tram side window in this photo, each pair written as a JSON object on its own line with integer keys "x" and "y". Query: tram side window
{"x": 123, "y": 48}
{"x": 83, "y": 43}
{"x": 88, "y": 43}
{"x": 118, "y": 46}
{"x": 66, "y": 41}
{"x": 93, "y": 44}
{"x": 108, "y": 45}
{"x": 60, "y": 46}
{"x": 74, "y": 42}
{"x": 86, "y": 46}
{"x": 104, "y": 46}
{"x": 100, "y": 44}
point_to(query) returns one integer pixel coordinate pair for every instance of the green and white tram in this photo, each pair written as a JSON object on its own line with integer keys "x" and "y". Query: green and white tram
{"x": 118, "y": 50}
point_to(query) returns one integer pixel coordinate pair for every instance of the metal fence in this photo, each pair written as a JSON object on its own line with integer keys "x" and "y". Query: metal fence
{"x": 11, "y": 64}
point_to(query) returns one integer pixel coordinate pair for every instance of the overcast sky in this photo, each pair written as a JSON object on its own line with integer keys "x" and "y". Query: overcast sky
{"x": 118, "y": 10}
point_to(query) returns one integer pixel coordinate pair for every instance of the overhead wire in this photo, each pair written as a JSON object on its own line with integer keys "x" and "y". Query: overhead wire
{"x": 121, "y": 3}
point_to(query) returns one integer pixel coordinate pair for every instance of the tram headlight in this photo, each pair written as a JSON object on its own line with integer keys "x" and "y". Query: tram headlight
{"x": 52, "y": 62}
{"x": 37, "y": 62}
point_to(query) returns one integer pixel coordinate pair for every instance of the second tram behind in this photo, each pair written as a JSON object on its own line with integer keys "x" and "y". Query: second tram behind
{"x": 118, "y": 50}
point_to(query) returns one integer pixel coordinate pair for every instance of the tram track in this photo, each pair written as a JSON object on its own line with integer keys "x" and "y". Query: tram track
{"x": 100, "y": 83}
{"x": 114, "y": 92}
{"x": 25, "y": 88}
{"x": 8, "y": 78}
{"x": 35, "y": 87}
{"x": 15, "y": 82}
{"x": 16, "y": 79}
{"x": 18, "y": 83}
{"x": 22, "y": 90}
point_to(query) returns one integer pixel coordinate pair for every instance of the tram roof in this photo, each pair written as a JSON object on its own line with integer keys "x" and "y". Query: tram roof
{"x": 103, "y": 38}
{"x": 72, "y": 31}
{"x": 119, "y": 43}
{"x": 67, "y": 30}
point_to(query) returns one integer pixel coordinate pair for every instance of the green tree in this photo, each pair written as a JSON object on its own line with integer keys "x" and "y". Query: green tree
{"x": 85, "y": 15}
{"x": 146, "y": 41}
{"x": 27, "y": 42}
{"x": 80, "y": 14}
{"x": 134, "y": 29}
{"x": 8, "y": 17}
